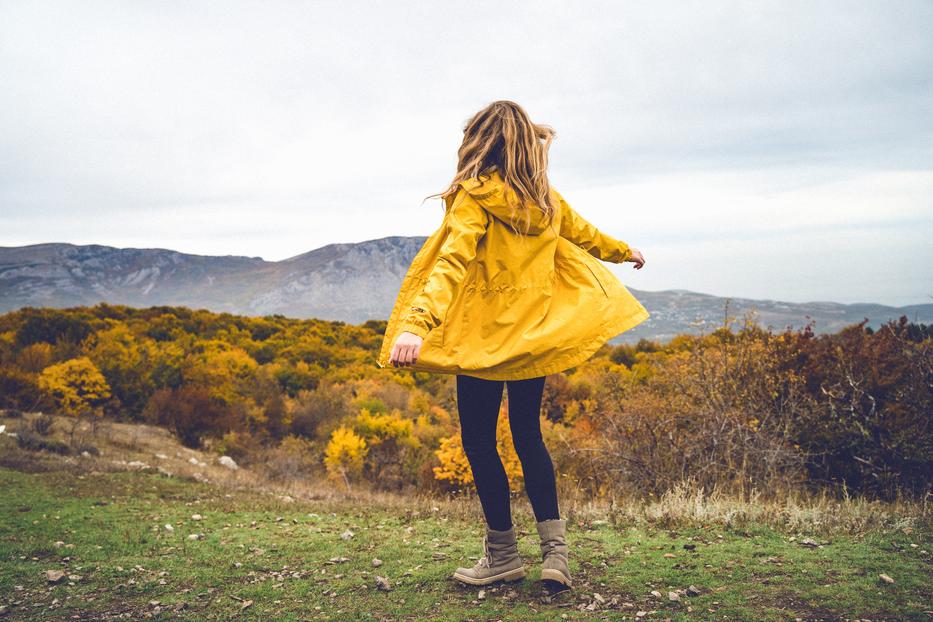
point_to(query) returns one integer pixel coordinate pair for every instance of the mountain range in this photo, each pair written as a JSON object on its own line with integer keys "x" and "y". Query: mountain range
{"x": 350, "y": 282}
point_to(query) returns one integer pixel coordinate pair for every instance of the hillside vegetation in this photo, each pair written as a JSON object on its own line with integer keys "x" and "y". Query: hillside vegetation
{"x": 741, "y": 410}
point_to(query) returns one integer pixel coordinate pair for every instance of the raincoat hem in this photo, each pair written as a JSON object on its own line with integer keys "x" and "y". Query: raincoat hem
{"x": 578, "y": 356}
{"x": 571, "y": 359}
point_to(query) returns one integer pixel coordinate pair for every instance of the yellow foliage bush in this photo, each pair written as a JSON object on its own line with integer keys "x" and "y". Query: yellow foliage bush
{"x": 345, "y": 453}
{"x": 379, "y": 428}
{"x": 455, "y": 467}
{"x": 76, "y": 385}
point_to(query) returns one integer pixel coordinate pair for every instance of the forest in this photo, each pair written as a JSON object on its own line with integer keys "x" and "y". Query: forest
{"x": 743, "y": 408}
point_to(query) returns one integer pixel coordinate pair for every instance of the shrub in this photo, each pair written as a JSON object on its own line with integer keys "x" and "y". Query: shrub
{"x": 873, "y": 394}
{"x": 18, "y": 389}
{"x": 717, "y": 412}
{"x": 345, "y": 454}
{"x": 293, "y": 458}
{"x": 42, "y": 424}
{"x": 241, "y": 446}
{"x": 190, "y": 411}
{"x": 327, "y": 402}
{"x": 28, "y": 439}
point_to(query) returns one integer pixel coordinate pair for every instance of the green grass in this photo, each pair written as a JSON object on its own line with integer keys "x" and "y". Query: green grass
{"x": 276, "y": 554}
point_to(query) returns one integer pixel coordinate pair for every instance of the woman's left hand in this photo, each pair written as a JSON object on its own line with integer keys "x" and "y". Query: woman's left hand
{"x": 406, "y": 350}
{"x": 637, "y": 258}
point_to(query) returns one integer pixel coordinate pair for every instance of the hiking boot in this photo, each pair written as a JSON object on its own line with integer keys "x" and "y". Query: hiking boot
{"x": 501, "y": 561}
{"x": 555, "y": 571}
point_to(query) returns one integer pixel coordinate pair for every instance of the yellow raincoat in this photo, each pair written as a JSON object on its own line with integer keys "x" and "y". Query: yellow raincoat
{"x": 494, "y": 304}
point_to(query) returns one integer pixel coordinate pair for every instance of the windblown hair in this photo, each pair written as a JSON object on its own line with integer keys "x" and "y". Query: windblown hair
{"x": 502, "y": 134}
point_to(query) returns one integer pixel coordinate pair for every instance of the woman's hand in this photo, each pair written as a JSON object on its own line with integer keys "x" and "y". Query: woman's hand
{"x": 406, "y": 349}
{"x": 637, "y": 258}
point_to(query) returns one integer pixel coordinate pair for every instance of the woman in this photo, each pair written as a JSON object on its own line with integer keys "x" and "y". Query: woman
{"x": 508, "y": 290}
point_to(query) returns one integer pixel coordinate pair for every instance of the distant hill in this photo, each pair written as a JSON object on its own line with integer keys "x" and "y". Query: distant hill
{"x": 352, "y": 282}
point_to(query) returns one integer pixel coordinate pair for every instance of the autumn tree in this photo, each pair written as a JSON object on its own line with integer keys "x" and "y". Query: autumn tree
{"x": 345, "y": 454}
{"x": 77, "y": 388}
{"x": 124, "y": 361}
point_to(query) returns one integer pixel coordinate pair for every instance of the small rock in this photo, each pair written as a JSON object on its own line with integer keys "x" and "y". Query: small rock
{"x": 693, "y": 591}
{"x": 809, "y": 542}
{"x": 673, "y": 596}
{"x": 382, "y": 583}
{"x": 641, "y": 614}
{"x": 169, "y": 527}
{"x": 656, "y": 593}
{"x": 54, "y": 576}
{"x": 598, "y": 598}
{"x": 669, "y": 555}
{"x": 346, "y": 535}
{"x": 376, "y": 562}
{"x": 228, "y": 462}
{"x": 481, "y": 595}
{"x": 885, "y": 578}
{"x": 75, "y": 577}
{"x": 196, "y": 517}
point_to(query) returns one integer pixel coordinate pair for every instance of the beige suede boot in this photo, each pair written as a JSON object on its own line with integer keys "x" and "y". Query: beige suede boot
{"x": 501, "y": 561}
{"x": 555, "y": 570}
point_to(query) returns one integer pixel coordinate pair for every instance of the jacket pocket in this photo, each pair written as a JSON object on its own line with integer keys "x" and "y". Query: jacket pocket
{"x": 454, "y": 319}
{"x": 596, "y": 278}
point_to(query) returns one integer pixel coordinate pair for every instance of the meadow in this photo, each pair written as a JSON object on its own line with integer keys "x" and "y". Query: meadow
{"x": 150, "y": 529}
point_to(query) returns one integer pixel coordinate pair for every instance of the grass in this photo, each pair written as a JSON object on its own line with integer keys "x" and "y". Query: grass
{"x": 265, "y": 558}
{"x": 268, "y": 555}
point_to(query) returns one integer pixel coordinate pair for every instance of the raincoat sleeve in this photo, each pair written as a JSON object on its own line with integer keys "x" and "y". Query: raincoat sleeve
{"x": 466, "y": 223}
{"x": 582, "y": 233}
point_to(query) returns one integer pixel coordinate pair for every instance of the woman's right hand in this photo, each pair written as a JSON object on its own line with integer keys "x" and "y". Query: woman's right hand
{"x": 406, "y": 349}
{"x": 637, "y": 258}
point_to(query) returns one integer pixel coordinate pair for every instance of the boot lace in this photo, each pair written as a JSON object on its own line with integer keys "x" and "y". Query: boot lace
{"x": 484, "y": 560}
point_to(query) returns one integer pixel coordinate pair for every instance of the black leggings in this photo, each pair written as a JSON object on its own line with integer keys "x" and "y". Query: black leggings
{"x": 478, "y": 402}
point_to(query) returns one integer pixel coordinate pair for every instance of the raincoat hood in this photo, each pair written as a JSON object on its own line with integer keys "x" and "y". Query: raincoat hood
{"x": 495, "y": 196}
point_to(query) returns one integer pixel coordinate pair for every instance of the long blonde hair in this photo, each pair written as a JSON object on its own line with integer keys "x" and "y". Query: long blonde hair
{"x": 502, "y": 134}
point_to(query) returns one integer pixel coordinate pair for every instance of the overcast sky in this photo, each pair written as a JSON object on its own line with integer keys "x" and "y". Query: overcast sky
{"x": 779, "y": 150}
